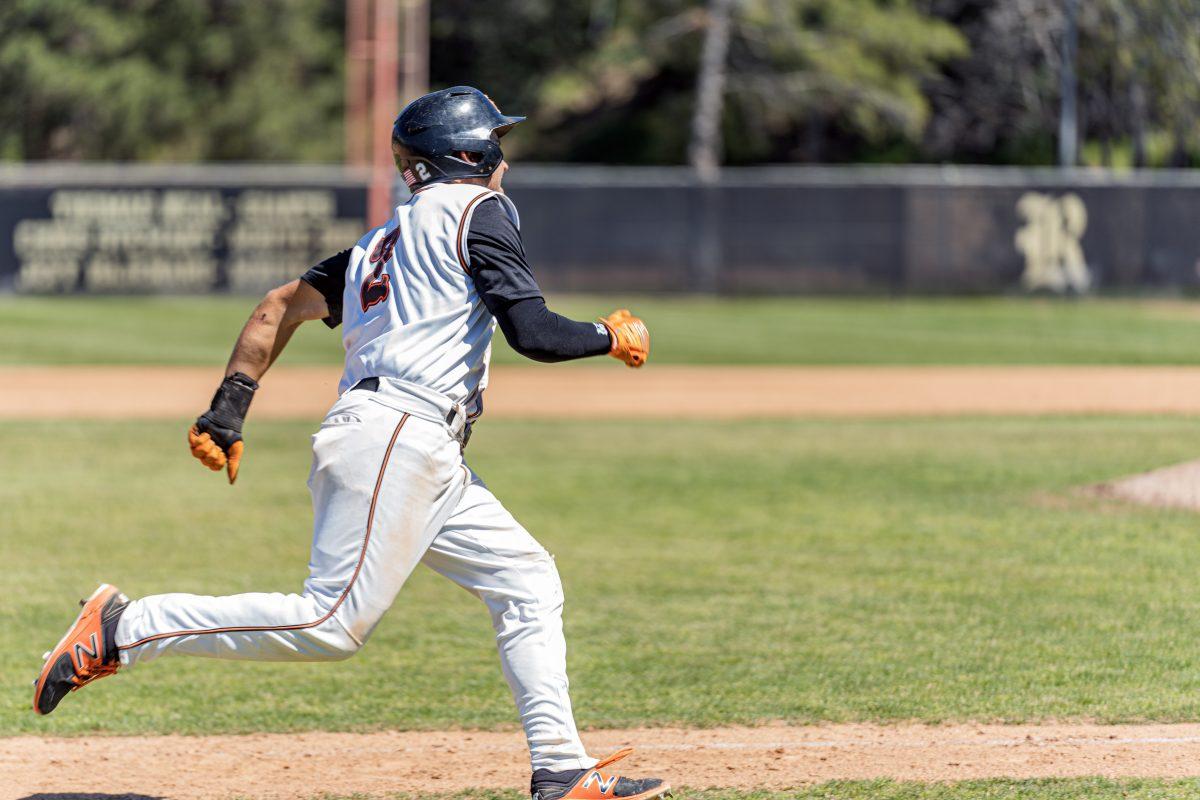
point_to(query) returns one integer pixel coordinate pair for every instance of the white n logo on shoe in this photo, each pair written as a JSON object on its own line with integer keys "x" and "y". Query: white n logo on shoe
{"x": 599, "y": 780}
{"x": 80, "y": 650}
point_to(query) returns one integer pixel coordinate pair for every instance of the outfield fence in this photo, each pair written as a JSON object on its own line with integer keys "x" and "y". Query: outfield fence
{"x": 110, "y": 228}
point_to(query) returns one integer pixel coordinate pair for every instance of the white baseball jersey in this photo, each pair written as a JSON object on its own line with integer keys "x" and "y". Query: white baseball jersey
{"x": 391, "y": 489}
{"x": 410, "y": 309}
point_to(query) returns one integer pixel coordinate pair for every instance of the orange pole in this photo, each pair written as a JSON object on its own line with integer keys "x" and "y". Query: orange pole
{"x": 383, "y": 110}
{"x": 358, "y": 58}
{"x": 416, "y": 50}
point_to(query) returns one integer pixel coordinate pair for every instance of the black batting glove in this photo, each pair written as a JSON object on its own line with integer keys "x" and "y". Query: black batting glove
{"x": 216, "y": 437}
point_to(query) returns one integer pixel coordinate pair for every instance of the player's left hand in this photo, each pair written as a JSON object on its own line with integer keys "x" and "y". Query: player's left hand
{"x": 216, "y": 447}
{"x": 216, "y": 437}
{"x": 630, "y": 338}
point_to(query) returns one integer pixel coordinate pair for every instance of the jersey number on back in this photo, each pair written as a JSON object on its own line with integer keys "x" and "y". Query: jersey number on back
{"x": 376, "y": 288}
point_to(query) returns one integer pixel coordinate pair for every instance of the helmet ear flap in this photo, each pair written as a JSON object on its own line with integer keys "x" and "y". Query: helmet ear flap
{"x": 413, "y": 169}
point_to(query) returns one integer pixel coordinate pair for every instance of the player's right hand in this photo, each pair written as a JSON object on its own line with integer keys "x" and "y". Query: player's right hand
{"x": 630, "y": 338}
{"x": 216, "y": 437}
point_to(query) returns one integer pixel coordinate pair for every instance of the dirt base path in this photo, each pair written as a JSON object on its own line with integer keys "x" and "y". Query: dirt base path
{"x": 662, "y": 391}
{"x": 287, "y": 766}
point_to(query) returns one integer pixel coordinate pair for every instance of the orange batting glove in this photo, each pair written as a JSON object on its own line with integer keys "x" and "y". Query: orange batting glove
{"x": 216, "y": 437}
{"x": 629, "y": 337}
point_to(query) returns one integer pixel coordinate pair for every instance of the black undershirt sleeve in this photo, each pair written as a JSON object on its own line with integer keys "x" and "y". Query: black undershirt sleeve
{"x": 329, "y": 278}
{"x": 538, "y": 333}
{"x": 497, "y": 256}
{"x": 507, "y": 287}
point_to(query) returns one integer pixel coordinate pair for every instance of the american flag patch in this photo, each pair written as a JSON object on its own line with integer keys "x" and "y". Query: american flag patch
{"x": 409, "y": 178}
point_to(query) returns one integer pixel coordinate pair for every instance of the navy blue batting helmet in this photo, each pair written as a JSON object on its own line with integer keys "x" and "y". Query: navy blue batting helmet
{"x": 432, "y": 130}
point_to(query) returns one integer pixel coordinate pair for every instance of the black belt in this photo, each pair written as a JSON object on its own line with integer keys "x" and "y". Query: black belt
{"x": 372, "y": 385}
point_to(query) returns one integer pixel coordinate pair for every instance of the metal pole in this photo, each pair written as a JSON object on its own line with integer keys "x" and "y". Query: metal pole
{"x": 1068, "y": 119}
{"x": 383, "y": 110}
{"x": 358, "y": 57}
{"x": 704, "y": 151}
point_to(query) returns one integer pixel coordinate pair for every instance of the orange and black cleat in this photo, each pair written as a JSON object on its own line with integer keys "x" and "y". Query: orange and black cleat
{"x": 592, "y": 784}
{"x": 86, "y": 653}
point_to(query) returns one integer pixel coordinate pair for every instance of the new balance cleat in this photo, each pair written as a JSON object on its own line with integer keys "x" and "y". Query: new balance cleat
{"x": 593, "y": 784}
{"x": 86, "y": 653}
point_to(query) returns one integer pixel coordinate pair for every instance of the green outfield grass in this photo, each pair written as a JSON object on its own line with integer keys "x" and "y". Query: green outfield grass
{"x": 697, "y": 331}
{"x": 715, "y": 573}
{"x": 1056, "y": 789}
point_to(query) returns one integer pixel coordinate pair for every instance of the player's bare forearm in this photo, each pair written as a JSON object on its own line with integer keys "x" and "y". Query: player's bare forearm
{"x": 216, "y": 437}
{"x": 272, "y": 324}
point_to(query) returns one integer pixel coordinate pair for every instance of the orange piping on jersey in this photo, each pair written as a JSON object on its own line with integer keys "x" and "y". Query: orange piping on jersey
{"x": 462, "y": 227}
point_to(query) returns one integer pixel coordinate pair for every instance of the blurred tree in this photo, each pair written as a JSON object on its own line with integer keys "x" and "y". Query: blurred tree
{"x": 838, "y": 78}
{"x": 508, "y": 48}
{"x": 170, "y": 79}
{"x": 614, "y": 80}
{"x": 1162, "y": 39}
{"x": 833, "y": 80}
{"x": 802, "y": 76}
{"x": 1000, "y": 104}
{"x": 588, "y": 72}
{"x": 1137, "y": 62}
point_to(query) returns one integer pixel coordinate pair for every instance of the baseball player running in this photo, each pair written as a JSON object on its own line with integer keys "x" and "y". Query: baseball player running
{"x": 418, "y": 299}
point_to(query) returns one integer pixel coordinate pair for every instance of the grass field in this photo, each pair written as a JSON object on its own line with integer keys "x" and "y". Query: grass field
{"x": 1091, "y": 788}
{"x": 716, "y": 573}
{"x": 763, "y": 331}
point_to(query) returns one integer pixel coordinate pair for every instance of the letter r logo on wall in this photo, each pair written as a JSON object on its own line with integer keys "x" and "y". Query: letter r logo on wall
{"x": 1051, "y": 241}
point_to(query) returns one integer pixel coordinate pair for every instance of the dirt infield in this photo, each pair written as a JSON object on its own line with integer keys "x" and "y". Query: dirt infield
{"x": 661, "y": 391}
{"x": 279, "y": 766}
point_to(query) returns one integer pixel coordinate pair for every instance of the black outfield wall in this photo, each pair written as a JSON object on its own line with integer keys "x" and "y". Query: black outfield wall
{"x": 179, "y": 229}
{"x": 914, "y": 229}
{"x": 223, "y": 228}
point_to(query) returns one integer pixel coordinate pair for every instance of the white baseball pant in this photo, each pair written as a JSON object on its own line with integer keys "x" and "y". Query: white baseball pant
{"x": 390, "y": 489}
